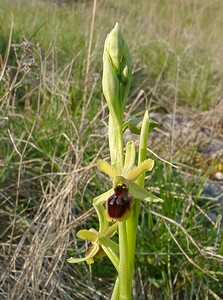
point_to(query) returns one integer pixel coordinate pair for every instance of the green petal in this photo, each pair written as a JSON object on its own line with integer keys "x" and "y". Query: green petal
{"x": 89, "y": 235}
{"x": 146, "y": 165}
{"x": 101, "y": 253}
{"x": 141, "y": 194}
{"x": 103, "y": 197}
{"x": 129, "y": 157}
{"x": 88, "y": 258}
{"x": 106, "y": 168}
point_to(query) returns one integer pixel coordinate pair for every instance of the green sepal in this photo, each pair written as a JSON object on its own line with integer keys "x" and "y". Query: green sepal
{"x": 89, "y": 235}
{"x": 144, "y": 166}
{"x": 110, "y": 85}
{"x": 103, "y": 166}
{"x": 114, "y": 45}
{"x": 142, "y": 194}
{"x": 103, "y": 197}
{"x": 103, "y": 223}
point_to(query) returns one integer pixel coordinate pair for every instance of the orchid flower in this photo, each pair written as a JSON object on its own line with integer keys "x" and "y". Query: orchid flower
{"x": 102, "y": 245}
{"x": 120, "y": 197}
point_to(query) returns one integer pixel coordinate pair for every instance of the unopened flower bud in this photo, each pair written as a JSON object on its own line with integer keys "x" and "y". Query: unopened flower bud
{"x": 135, "y": 125}
{"x": 116, "y": 73}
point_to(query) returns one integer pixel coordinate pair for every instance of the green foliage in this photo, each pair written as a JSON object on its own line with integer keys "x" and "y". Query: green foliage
{"x": 174, "y": 272}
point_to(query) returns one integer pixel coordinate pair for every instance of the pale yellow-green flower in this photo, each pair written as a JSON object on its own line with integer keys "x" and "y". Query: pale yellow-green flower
{"x": 120, "y": 198}
{"x": 96, "y": 250}
{"x": 101, "y": 243}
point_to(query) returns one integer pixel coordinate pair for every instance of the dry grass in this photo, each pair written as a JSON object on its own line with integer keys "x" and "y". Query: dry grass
{"x": 39, "y": 212}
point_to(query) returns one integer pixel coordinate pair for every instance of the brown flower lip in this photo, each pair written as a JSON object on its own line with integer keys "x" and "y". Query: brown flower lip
{"x": 119, "y": 203}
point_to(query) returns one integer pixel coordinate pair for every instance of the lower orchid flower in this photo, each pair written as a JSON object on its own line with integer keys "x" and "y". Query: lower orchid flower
{"x": 102, "y": 245}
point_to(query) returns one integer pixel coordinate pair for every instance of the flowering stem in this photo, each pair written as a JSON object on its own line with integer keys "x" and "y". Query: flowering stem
{"x": 128, "y": 229}
{"x": 125, "y": 287}
{"x": 117, "y": 160}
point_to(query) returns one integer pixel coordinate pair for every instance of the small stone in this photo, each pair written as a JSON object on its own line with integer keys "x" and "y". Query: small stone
{"x": 218, "y": 176}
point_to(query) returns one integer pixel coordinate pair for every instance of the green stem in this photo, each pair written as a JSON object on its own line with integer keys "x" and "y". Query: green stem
{"x": 131, "y": 232}
{"x": 125, "y": 280}
{"x": 117, "y": 160}
{"x": 115, "y": 292}
{"x": 133, "y": 221}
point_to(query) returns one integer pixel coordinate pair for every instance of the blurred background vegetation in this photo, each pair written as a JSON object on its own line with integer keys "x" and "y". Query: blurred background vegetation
{"x": 53, "y": 129}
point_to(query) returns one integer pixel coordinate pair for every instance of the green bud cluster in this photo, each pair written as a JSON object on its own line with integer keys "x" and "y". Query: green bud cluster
{"x": 117, "y": 73}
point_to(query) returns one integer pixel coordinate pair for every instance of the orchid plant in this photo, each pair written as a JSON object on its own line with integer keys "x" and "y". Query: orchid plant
{"x": 118, "y": 208}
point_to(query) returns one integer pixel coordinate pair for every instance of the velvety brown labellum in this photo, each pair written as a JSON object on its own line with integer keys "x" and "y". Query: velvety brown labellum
{"x": 119, "y": 203}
